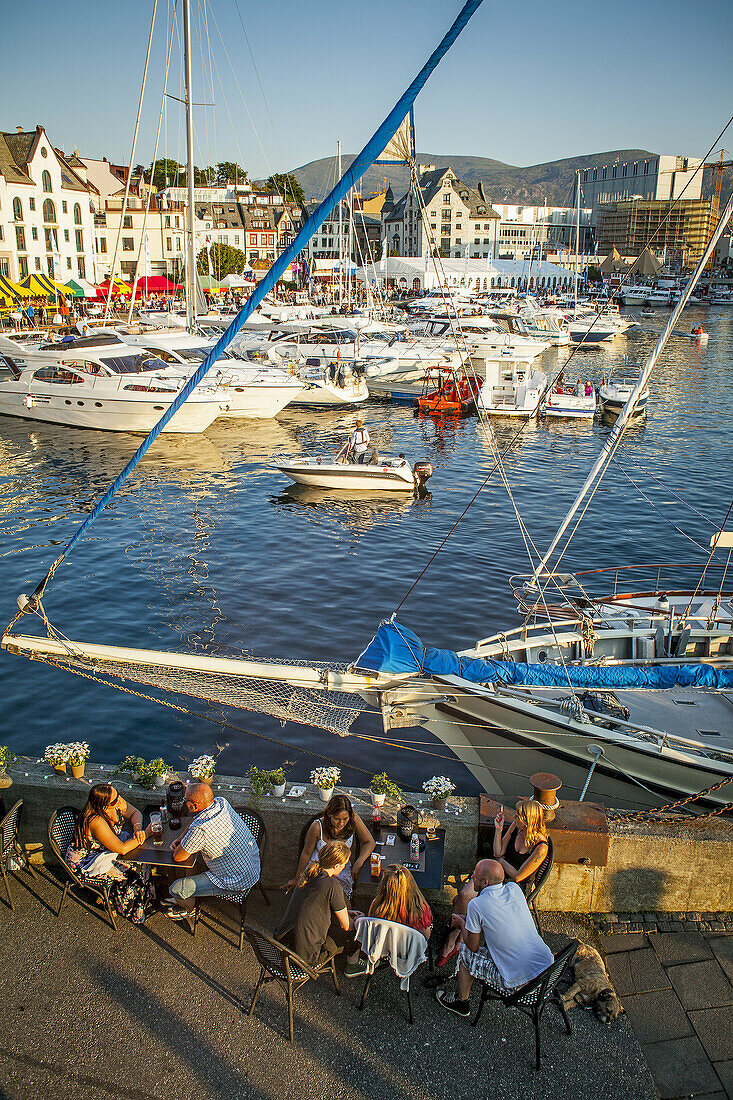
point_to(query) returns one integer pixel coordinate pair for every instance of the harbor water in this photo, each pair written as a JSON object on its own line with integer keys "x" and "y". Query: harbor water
{"x": 207, "y": 549}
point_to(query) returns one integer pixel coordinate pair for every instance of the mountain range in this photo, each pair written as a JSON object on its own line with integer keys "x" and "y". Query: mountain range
{"x": 550, "y": 183}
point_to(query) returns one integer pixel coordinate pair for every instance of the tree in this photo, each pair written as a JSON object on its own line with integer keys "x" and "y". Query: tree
{"x": 288, "y": 186}
{"x": 228, "y": 171}
{"x": 167, "y": 173}
{"x": 225, "y": 260}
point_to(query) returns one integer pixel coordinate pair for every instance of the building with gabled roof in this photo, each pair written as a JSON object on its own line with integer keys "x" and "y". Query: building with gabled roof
{"x": 448, "y": 216}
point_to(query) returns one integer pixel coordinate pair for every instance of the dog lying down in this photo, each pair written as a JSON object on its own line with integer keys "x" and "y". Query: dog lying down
{"x": 592, "y": 986}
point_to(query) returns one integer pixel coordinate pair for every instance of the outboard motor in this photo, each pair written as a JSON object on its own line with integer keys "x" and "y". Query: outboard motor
{"x": 421, "y": 471}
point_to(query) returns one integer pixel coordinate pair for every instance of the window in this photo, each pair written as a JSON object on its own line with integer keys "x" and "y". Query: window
{"x": 2, "y": 233}
{"x": 34, "y": 233}
{"x": 168, "y": 222}
{"x": 178, "y": 244}
{"x": 31, "y": 203}
{"x": 128, "y": 244}
{"x": 79, "y": 235}
{"x": 81, "y": 267}
{"x": 178, "y": 223}
{"x": 458, "y": 240}
{"x": 66, "y": 234}
{"x": 595, "y": 173}
{"x": 20, "y": 238}
{"x": 623, "y": 170}
{"x": 64, "y": 208}
{"x": 102, "y": 244}
{"x": 126, "y": 221}
{"x": 605, "y": 172}
{"x": 477, "y": 240}
{"x": 613, "y": 172}
{"x": 169, "y": 244}
{"x": 49, "y": 211}
{"x": 68, "y": 264}
{"x": 77, "y": 214}
{"x": 38, "y": 263}
{"x": 52, "y": 241}
{"x": 17, "y": 210}
{"x": 46, "y": 181}
{"x": 22, "y": 267}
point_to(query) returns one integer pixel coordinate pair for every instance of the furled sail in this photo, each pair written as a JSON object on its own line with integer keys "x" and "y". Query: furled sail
{"x": 401, "y": 148}
{"x": 397, "y": 650}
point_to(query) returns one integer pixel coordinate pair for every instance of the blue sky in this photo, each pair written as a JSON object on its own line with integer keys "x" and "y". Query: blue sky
{"x": 525, "y": 83}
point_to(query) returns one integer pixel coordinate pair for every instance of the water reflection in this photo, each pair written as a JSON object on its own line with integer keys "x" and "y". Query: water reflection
{"x": 356, "y": 512}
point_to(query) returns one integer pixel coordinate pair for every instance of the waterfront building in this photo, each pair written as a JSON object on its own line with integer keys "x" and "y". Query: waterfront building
{"x": 46, "y": 213}
{"x": 677, "y": 229}
{"x": 657, "y": 178}
{"x": 412, "y": 274}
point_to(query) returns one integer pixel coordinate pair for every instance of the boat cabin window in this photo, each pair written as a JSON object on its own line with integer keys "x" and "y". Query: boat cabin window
{"x": 14, "y": 367}
{"x": 58, "y": 375}
{"x": 200, "y": 353}
{"x": 133, "y": 364}
{"x": 166, "y": 356}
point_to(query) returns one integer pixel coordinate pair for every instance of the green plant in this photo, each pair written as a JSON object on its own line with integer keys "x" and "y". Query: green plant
{"x": 151, "y": 771}
{"x": 382, "y": 784}
{"x": 277, "y": 775}
{"x": 131, "y": 765}
{"x": 260, "y": 782}
{"x": 6, "y": 759}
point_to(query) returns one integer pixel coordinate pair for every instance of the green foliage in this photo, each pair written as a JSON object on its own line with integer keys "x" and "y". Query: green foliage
{"x": 6, "y": 759}
{"x": 145, "y": 772}
{"x": 228, "y": 171}
{"x": 593, "y": 274}
{"x": 260, "y": 781}
{"x": 225, "y": 260}
{"x": 277, "y": 775}
{"x": 382, "y": 784}
{"x": 131, "y": 765}
{"x": 287, "y": 185}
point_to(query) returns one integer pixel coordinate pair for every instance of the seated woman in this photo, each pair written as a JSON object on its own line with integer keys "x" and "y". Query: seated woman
{"x": 449, "y": 950}
{"x": 399, "y": 899}
{"x": 317, "y": 923}
{"x": 99, "y": 838}
{"x": 338, "y": 822}
{"x": 523, "y": 847}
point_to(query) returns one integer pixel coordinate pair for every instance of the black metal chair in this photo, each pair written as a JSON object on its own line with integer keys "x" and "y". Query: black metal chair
{"x": 279, "y": 964}
{"x": 60, "y": 835}
{"x": 10, "y": 846}
{"x": 257, "y": 827}
{"x": 539, "y": 880}
{"x": 532, "y": 997}
{"x": 381, "y": 963}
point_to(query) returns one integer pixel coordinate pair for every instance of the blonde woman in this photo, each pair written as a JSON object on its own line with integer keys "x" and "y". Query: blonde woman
{"x": 523, "y": 847}
{"x": 317, "y": 922}
{"x": 399, "y": 899}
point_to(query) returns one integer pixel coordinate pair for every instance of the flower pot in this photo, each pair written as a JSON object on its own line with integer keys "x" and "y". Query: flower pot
{"x": 378, "y": 799}
{"x": 159, "y": 781}
{"x": 325, "y": 793}
{"x": 60, "y": 768}
{"x": 77, "y": 770}
{"x": 279, "y": 790}
{"x": 439, "y": 803}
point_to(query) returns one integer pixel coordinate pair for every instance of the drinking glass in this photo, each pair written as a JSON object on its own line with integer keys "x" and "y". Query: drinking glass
{"x": 157, "y": 829}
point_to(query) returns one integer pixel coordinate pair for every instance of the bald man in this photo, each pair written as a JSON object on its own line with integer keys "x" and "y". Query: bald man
{"x": 228, "y": 848}
{"x": 512, "y": 952}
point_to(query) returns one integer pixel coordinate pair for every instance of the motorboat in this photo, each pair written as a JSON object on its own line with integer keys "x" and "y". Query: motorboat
{"x": 571, "y": 402}
{"x": 384, "y": 473}
{"x": 510, "y": 388}
{"x": 448, "y": 393}
{"x": 614, "y": 393}
{"x": 330, "y": 386}
{"x": 698, "y": 335}
{"x": 463, "y": 331}
{"x": 102, "y": 383}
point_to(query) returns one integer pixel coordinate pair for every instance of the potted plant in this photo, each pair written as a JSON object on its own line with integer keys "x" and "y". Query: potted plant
{"x": 325, "y": 779}
{"x": 154, "y": 773}
{"x": 439, "y": 788}
{"x": 57, "y": 756}
{"x": 202, "y": 768}
{"x": 381, "y": 786}
{"x": 78, "y": 754}
{"x": 277, "y": 775}
{"x": 132, "y": 766}
{"x": 260, "y": 782}
{"x": 6, "y": 759}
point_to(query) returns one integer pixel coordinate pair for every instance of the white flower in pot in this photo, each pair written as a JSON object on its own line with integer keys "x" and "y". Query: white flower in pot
{"x": 439, "y": 787}
{"x": 202, "y": 768}
{"x": 57, "y": 756}
{"x": 77, "y": 756}
{"x": 325, "y": 779}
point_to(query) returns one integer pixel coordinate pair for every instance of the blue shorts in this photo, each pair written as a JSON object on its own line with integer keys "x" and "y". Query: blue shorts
{"x": 199, "y": 886}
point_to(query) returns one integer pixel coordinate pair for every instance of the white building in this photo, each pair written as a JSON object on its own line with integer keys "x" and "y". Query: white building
{"x": 664, "y": 177}
{"x": 413, "y": 274}
{"x": 46, "y": 218}
{"x": 457, "y": 221}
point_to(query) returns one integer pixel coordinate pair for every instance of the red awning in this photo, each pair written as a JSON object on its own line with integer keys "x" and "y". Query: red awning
{"x": 157, "y": 284}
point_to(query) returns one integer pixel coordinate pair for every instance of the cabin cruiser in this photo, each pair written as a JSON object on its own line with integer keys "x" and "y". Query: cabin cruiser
{"x": 100, "y": 382}
{"x": 614, "y": 393}
{"x": 510, "y": 388}
{"x": 468, "y": 330}
{"x": 546, "y": 324}
{"x": 253, "y": 391}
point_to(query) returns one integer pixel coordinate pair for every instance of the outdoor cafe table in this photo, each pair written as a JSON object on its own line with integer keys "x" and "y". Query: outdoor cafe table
{"x": 431, "y": 878}
{"x": 160, "y": 855}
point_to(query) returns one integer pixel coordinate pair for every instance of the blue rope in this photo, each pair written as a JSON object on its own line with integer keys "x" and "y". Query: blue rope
{"x": 371, "y": 150}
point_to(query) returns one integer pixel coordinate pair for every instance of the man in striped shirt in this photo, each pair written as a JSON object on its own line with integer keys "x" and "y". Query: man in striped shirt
{"x": 229, "y": 850}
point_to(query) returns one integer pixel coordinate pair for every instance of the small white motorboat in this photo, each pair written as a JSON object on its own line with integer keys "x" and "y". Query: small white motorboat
{"x": 614, "y": 393}
{"x": 571, "y": 403}
{"x": 388, "y": 474}
{"x": 698, "y": 336}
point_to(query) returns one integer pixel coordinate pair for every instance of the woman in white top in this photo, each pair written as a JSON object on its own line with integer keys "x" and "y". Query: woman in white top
{"x": 338, "y": 822}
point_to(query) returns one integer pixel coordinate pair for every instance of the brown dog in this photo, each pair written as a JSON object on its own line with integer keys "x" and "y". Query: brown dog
{"x": 592, "y": 985}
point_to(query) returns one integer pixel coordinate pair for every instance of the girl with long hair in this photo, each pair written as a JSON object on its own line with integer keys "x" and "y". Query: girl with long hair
{"x": 337, "y": 822}
{"x": 106, "y": 828}
{"x": 399, "y": 899}
{"x": 317, "y": 922}
{"x": 523, "y": 847}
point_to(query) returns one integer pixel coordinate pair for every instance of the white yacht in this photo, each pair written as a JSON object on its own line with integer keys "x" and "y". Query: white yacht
{"x": 614, "y": 393}
{"x": 100, "y": 382}
{"x": 510, "y": 388}
{"x": 482, "y": 328}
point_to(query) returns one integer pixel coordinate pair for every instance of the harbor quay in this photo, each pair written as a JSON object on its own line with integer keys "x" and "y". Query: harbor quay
{"x": 165, "y": 1006}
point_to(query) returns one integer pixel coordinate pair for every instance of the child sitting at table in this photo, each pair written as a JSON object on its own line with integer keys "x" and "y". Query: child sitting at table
{"x": 399, "y": 899}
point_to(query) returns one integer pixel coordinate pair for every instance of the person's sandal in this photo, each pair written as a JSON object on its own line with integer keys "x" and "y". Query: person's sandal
{"x": 443, "y": 960}
{"x": 449, "y": 1000}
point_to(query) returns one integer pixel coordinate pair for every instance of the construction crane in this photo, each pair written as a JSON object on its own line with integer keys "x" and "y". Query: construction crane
{"x": 719, "y": 165}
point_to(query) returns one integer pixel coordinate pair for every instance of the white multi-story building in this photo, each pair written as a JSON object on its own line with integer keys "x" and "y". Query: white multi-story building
{"x": 653, "y": 177}
{"x": 46, "y": 217}
{"x": 527, "y": 230}
{"x": 448, "y": 217}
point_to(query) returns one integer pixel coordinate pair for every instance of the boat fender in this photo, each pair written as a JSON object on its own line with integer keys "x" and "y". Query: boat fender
{"x": 27, "y": 604}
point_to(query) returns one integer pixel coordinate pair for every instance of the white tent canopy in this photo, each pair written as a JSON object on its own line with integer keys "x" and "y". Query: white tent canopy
{"x": 236, "y": 280}
{"x": 479, "y": 274}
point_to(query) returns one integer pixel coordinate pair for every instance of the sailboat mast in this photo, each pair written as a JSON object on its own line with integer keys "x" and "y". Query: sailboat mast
{"x": 577, "y": 239}
{"x": 599, "y": 466}
{"x": 341, "y": 229}
{"x": 190, "y": 244}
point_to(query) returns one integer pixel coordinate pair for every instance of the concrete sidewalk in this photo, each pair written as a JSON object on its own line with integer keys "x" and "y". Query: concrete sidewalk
{"x": 153, "y": 1014}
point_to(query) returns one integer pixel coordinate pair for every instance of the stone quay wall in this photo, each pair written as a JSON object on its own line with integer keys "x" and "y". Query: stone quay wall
{"x": 652, "y": 866}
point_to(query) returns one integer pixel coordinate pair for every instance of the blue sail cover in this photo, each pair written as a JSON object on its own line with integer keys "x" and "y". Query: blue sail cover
{"x": 397, "y": 649}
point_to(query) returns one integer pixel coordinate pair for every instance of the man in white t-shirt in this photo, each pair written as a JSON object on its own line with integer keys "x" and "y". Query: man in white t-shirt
{"x": 512, "y": 952}
{"x": 359, "y": 441}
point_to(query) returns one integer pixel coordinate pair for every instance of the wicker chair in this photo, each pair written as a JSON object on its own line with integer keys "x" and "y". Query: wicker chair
{"x": 257, "y": 827}
{"x": 540, "y": 877}
{"x": 279, "y": 964}
{"x": 532, "y": 997}
{"x": 10, "y": 846}
{"x": 60, "y": 835}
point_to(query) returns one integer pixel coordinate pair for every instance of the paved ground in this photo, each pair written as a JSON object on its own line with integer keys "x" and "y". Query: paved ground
{"x": 153, "y": 1014}
{"x": 677, "y": 989}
